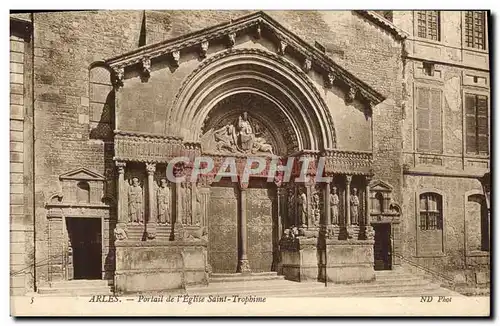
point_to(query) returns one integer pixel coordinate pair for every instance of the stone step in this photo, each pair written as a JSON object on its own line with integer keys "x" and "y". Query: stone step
{"x": 81, "y": 283}
{"x": 289, "y": 286}
{"x": 238, "y": 277}
{"x": 80, "y": 291}
{"x": 397, "y": 292}
{"x": 315, "y": 290}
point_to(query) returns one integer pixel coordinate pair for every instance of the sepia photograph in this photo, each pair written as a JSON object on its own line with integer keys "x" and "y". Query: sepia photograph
{"x": 250, "y": 162}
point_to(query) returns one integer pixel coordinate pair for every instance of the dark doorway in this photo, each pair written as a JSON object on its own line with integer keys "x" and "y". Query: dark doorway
{"x": 382, "y": 247}
{"x": 85, "y": 239}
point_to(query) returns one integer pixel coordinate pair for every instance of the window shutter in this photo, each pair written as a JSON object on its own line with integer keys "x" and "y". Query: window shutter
{"x": 482, "y": 124}
{"x": 423, "y": 119}
{"x": 470, "y": 121}
{"x": 436, "y": 139}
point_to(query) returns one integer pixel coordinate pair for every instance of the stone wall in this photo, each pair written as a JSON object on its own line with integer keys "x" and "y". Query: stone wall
{"x": 21, "y": 150}
{"x": 452, "y": 172}
{"x": 66, "y": 44}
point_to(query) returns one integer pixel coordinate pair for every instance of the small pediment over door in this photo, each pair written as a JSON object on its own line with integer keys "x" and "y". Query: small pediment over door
{"x": 380, "y": 186}
{"x": 82, "y": 174}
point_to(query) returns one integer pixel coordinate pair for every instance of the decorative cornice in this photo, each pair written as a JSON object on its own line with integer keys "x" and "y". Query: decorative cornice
{"x": 258, "y": 22}
{"x": 146, "y": 135}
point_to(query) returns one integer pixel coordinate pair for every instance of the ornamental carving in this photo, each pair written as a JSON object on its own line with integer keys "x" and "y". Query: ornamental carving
{"x": 146, "y": 67}
{"x": 203, "y": 49}
{"x": 307, "y": 65}
{"x": 176, "y": 55}
{"x": 135, "y": 202}
{"x": 163, "y": 197}
{"x": 238, "y": 137}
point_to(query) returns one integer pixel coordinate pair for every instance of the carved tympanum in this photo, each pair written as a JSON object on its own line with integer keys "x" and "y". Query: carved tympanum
{"x": 239, "y": 137}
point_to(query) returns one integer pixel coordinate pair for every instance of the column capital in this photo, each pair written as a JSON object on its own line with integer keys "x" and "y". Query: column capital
{"x": 120, "y": 165}
{"x": 151, "y": 168}
{"x": 348, "y": 179}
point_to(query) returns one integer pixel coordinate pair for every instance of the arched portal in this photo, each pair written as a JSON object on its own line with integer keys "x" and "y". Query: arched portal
{"x": 294, "y": 105}
{"x": 276, "y": 102}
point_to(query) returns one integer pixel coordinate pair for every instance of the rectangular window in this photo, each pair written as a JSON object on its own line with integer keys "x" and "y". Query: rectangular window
{"x": 476, "y": 120}
{"x": 429, "y": 131}
{"x": 475, "y": 24}
{"x": 430, "y": 212}
{"x": 428, "y": 24}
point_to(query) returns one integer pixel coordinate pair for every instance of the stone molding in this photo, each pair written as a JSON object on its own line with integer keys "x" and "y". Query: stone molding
{"x": 258, "y": 21}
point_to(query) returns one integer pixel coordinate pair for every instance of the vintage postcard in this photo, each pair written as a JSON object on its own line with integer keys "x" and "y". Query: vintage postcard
{"x": 234, "y": 163}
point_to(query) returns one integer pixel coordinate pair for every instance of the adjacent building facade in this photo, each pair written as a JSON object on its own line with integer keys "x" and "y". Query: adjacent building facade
{"x": 396, "y": 104}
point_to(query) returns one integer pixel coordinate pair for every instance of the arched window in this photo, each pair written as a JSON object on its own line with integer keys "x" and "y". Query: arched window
{"x": 102, "y": 102}
{"x": 83, "y": 192}
{"x": 431, "y": 211}
{"x": 478, "y": 237}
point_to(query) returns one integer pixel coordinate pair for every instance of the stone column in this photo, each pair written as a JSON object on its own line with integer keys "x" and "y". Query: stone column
{"x": 151, "y": 217}
{"x": 178, "y": 205}
{"x": 348, "y": 179}
{"x": 243, "y": 264}
{"x": 122, "y": 218}
{"x": 348, "y": 226}
{"x": 367, "y": 202}
{"x": 328, "y": 212}
{"x": 366, "y": 228}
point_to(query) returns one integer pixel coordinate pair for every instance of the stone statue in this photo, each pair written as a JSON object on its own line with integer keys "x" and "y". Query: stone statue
{"x": 261, "y": 145}
{"x": 302, "y": 201}
{"x": 135, "y": 199}
{"x": 316, "y": 209}
{"x": 245, "y": 133}
{"x": 197, "y": 206}
{"x": 120, "y": 234}
{"x": 291, "y": 206}
{"x": 185, "y": 202}
{"x": 334, "y": 206}
{"x": 163, "y": 198}
{"x": 354, "y": 206}
{"x": 225, "y": 138}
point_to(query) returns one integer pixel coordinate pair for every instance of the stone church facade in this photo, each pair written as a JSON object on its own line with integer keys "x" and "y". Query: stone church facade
{"x": 103, "y": 102}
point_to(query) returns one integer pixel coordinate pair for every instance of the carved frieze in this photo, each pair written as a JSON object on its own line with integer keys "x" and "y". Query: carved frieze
{"x": 348, "y": 162}
{"x": 146, "y": 148}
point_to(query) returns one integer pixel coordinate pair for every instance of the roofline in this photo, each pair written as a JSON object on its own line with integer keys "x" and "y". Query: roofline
{"x": 240, "y": 23}
{"x": 395, "y": 31}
